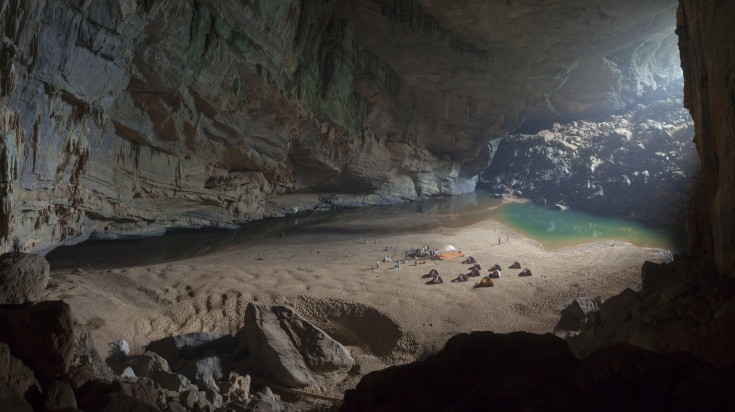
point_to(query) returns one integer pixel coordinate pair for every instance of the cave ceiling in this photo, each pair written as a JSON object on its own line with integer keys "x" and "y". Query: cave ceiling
{"x": 133, "y": 116}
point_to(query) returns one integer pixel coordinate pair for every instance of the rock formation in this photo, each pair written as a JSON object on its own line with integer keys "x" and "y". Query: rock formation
{"x": 48, "y": 363}
{"x": 23, "y": 278}
{"x": 290, "y": 349}
{"x": 133, "y": 116}
{"x": 522, "y": 371}
{"x": 628, "y": 165}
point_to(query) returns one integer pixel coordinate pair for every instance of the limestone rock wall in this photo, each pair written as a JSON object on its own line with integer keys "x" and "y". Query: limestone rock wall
{"x": 131, "y": 116}
{"x": 708, "y": 60}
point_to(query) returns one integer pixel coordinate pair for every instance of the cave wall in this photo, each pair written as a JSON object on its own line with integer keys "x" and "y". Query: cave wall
{"x": 705, "y": 31}
{"x": 130, "y": 116}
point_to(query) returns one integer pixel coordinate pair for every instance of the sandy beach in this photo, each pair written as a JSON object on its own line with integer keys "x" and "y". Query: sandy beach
{"x": 327, "y": 272}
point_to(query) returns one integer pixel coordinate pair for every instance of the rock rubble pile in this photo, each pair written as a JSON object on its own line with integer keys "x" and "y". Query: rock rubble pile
{"x": 629, "y": 165}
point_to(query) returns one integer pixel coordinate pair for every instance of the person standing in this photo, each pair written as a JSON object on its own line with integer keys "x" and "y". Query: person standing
{"x": 16, "y": 246}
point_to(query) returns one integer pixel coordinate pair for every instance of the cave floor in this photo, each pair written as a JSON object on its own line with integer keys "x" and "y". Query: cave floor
{"x": 385, "y": 316}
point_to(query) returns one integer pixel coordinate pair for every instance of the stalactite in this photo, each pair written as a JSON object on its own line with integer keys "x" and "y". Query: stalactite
{"x": 411, "y": 14}
{"x": 8, "y": 52}
{"x": 8, "y": 176}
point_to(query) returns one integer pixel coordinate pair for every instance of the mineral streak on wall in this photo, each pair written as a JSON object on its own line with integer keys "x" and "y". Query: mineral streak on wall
{"x": 132, "y": 116}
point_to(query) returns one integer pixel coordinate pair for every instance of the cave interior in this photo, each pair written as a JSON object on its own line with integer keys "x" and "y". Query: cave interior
{"x": 125, "y": 119}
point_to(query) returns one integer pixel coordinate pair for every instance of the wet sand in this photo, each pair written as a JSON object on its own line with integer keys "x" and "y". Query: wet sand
{"x": 385, "y": 316}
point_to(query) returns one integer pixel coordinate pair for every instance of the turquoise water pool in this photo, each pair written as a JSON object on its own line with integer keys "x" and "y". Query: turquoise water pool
{"x": 555, "y": 229}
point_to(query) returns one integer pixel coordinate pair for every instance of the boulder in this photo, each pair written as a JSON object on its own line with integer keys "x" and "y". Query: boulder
{"x": 575, "y": 312}
{"x": 192, "y": 345}
{"x": 481, "y": 365}
{"x": 81, "y": 375}
{"x": 41, "y": 335}
{"x": 118, "y": 350}
{"x": 143, "y": 389}
{"x": 214, "y": 398}
{"x": 189, "y": 398}
{"x": 85, "y": 355}
{"x": 92, "y": 395}
{"x": 119, "y": 402}
{"x": 235, "y": 388}
{"x": 175, "y": 406}
{"x": 12, "y": 401}
{"x": 290, "y": 349}
{"x": 16, "y": 375}
{"x": 192, "y": 399}
{"x": 128, "y": 373}
{"x": 23, "y": 278}
{"x": 266, "y": 401}
{"x": 99, "y": 395}
{"x": 59, "y": 396}
{"x": 148, "y": 362}
{"x": 204, "y": 372}
{"x": 618, "y": 307}
{"x": 169, "y": 380}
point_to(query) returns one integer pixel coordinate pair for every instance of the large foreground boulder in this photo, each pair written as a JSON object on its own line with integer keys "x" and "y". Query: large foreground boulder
{"x": 41, "y": 335}
{"x": 12, "y": 401}
{"x": 575, "y": 312}
{"x": 523, "y": 371}
{"x": 290, "y": 349}
{"x": 16, "y": 375}
{"x": 23, "y": 278}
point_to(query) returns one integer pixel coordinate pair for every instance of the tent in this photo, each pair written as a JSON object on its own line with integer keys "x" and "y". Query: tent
{"x": 461, "y": 278}
{"x": 525, "y": 272}
{"x": 485, "y": 282}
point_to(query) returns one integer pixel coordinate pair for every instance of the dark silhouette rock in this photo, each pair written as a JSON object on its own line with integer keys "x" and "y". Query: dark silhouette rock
{"x": 41, "y": 335}
{"x": 23, "y": 278}
{"x": 535, "y": 365}
{"x": 16, "y": 375}
{"x": 11, "y": 400}
{"x": 522, "y": 371}
{"x": 59, "y": 395}
{"x": 148, "y": 362}
{"x": 192, "y": 345}
{"x": 575, "y": 312}
{"x": 169, "y": 380}
{"x": 266, "y": 400}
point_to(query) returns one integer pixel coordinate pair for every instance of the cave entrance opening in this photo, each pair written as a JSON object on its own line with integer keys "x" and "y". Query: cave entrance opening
{"x": 639, "y": 163}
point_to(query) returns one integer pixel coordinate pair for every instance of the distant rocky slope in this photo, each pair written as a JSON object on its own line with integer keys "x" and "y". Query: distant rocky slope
{"x": 125, "y": 117}
{"x": 630, "y": 165}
